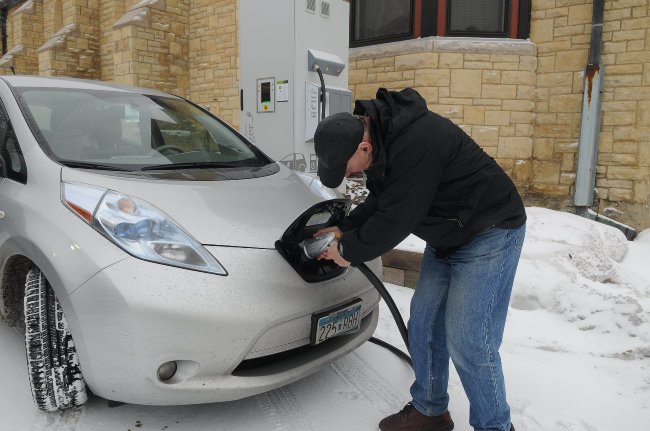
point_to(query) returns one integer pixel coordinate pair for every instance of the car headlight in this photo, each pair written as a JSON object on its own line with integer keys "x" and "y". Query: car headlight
{"x": 139, "y": 228}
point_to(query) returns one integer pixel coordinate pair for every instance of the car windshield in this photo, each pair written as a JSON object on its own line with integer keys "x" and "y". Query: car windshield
{"x": 130, "y": 131}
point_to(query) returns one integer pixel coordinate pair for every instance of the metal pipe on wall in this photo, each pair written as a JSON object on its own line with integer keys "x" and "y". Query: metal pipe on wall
{"x": 590, "y": 127}
{"x": 590, "y": 118}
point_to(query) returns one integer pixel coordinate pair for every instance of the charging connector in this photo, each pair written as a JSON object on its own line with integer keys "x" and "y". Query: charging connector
{"x": 313, "y": 247}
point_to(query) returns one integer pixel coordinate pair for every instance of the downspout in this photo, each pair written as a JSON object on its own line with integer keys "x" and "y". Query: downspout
{"x": 590, "y": 127}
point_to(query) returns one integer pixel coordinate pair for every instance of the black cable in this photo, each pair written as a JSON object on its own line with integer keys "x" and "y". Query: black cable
{"x": 322, "y": 89}
{"x": 376, "y": 282}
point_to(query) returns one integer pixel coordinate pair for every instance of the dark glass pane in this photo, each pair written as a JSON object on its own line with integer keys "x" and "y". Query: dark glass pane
{"x": 477, "y": 16}
{"x": 381, "y": 18}
{"x": 429, "y": 17}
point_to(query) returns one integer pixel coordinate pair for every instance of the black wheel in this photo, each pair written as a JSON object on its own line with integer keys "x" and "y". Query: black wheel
{"x": 52, "y": 363}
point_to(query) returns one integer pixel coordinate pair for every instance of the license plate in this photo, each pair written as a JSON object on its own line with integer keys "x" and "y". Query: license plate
{"x": 339, "y": 321}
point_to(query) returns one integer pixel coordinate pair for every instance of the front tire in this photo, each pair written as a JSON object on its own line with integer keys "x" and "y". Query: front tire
{"x": 52, "y": 363}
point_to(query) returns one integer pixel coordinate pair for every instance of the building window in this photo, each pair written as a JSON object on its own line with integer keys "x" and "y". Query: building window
{"x": 380, "y": 21}
{"x": 392, "y": 20}
{"x": 476, "y": 17}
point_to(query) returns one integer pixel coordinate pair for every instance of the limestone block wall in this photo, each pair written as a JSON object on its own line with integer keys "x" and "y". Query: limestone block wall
{"x": 71, "y": 46}
{"x": 485, "y": 86}
{"x": 561, "y": 30}
{"x": 52, "y": 17}
{"x": 151, "y": 46}
{"x": 214, "y": 57}
{"x": 110, "y": 11}
{"x": 24, "y": 37}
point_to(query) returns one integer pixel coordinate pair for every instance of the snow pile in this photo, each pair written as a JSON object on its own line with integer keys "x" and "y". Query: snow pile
{"x": 585, "y": 272}
{"x": 572, "y": 266}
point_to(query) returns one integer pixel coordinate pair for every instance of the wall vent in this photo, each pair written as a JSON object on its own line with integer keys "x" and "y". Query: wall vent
{"x": 325, "y": 9}
{"x": 311, "y": 6}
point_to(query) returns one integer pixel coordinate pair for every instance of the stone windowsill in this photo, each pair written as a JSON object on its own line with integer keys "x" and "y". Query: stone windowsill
{"x": 473, "y": 45}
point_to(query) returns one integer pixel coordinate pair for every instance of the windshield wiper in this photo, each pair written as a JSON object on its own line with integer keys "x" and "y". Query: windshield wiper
{"x": 193, "y": 165}
{"x": 87, "y": 165}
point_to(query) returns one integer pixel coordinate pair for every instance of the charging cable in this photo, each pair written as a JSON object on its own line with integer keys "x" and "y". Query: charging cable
{"x": 322, "y": 89}
{"x": 313, "y": 247}
{"x": 377, "y": 284}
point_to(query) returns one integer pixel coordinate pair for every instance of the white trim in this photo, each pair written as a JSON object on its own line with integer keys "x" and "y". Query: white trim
{"x": 475, "y": 45}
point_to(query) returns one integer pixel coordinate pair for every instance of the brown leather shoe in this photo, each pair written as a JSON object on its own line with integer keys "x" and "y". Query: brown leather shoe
{"x": 409, "y": 419}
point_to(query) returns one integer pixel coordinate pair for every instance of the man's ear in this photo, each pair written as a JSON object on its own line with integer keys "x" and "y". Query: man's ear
{"x": 365, "y": 147}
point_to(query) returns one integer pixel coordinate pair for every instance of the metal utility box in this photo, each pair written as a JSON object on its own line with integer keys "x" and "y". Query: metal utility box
{"x": 279, "y": 42}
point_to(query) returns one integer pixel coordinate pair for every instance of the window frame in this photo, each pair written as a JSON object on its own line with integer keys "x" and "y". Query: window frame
{"x": 10, "y": 174}
{"x": 383, "y": 39}
{"x": 432, "y": 18}
{"x": 482, "y": 34}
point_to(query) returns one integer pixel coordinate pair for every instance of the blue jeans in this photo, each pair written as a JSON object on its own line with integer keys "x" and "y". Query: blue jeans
{"x": 459, "y": 311}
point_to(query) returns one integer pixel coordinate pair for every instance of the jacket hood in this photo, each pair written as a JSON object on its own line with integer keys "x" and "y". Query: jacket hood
{"x": 391, "y": 112}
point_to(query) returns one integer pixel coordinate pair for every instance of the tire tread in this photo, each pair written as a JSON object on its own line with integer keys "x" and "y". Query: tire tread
{"x": 53, "y": 368}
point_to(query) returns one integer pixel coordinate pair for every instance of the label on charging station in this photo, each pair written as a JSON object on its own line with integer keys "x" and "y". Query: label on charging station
{"x": 312, "y": 100}
{"x": 282, "y": 91}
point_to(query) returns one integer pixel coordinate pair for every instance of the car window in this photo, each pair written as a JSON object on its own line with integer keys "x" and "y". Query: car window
{"x": 132, "y": 130}
{"x": 10, "y": 153}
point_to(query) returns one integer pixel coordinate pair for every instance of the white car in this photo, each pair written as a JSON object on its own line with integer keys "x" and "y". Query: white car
{"x": 153, "y": 255}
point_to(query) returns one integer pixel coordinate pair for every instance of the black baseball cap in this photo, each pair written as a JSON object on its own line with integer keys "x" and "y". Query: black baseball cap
{"x": 336, "y": 139}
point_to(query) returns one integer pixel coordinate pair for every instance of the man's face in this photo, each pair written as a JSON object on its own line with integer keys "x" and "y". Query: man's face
{"x": 360, "y": 160}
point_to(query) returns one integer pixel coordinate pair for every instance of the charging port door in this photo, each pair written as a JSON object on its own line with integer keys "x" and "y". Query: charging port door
{"x": 323, "y": 214}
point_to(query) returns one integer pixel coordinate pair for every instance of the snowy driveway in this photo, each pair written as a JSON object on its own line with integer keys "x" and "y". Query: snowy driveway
{"x": 576, "y": 355}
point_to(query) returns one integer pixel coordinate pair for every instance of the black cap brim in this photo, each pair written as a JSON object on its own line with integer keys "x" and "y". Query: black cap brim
{"x": 331, "y": 178}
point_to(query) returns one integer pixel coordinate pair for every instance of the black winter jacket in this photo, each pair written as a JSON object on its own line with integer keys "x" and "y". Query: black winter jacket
{"x": 427, "y": 177}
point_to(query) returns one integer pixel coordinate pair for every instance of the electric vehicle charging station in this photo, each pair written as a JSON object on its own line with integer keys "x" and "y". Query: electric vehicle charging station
{"x": 280, "y": 42}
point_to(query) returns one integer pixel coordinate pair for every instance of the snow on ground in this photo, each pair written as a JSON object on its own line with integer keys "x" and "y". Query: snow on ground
{"x": 576, "y": 355}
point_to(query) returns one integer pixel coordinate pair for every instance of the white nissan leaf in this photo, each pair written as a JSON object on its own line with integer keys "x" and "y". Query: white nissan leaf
{"x": 153, "y": 255}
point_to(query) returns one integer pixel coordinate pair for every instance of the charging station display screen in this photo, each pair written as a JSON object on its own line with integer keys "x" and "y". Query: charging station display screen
{"x": 265, "y": 95}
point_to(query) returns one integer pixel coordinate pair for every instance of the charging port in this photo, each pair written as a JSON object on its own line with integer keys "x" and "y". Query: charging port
{"x": 323, "y": 214}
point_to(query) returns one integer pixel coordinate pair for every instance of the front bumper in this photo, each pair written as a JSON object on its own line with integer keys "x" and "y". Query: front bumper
{"x": 134, "y": 316}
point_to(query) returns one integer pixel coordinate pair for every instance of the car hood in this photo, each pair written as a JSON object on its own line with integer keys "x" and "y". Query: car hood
{"x": 240, "y": 213}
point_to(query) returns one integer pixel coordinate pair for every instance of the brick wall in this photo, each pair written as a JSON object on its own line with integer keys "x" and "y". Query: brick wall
{"x": 52, "y": 17}
{"x": 214, "y": 58}
{"x": 151, "y": 46}
{"x": 24, "y": 37}
{"x": 110, "y": 11}
{"x": 561, "y": 30}
{"x": 486, "y": 87}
